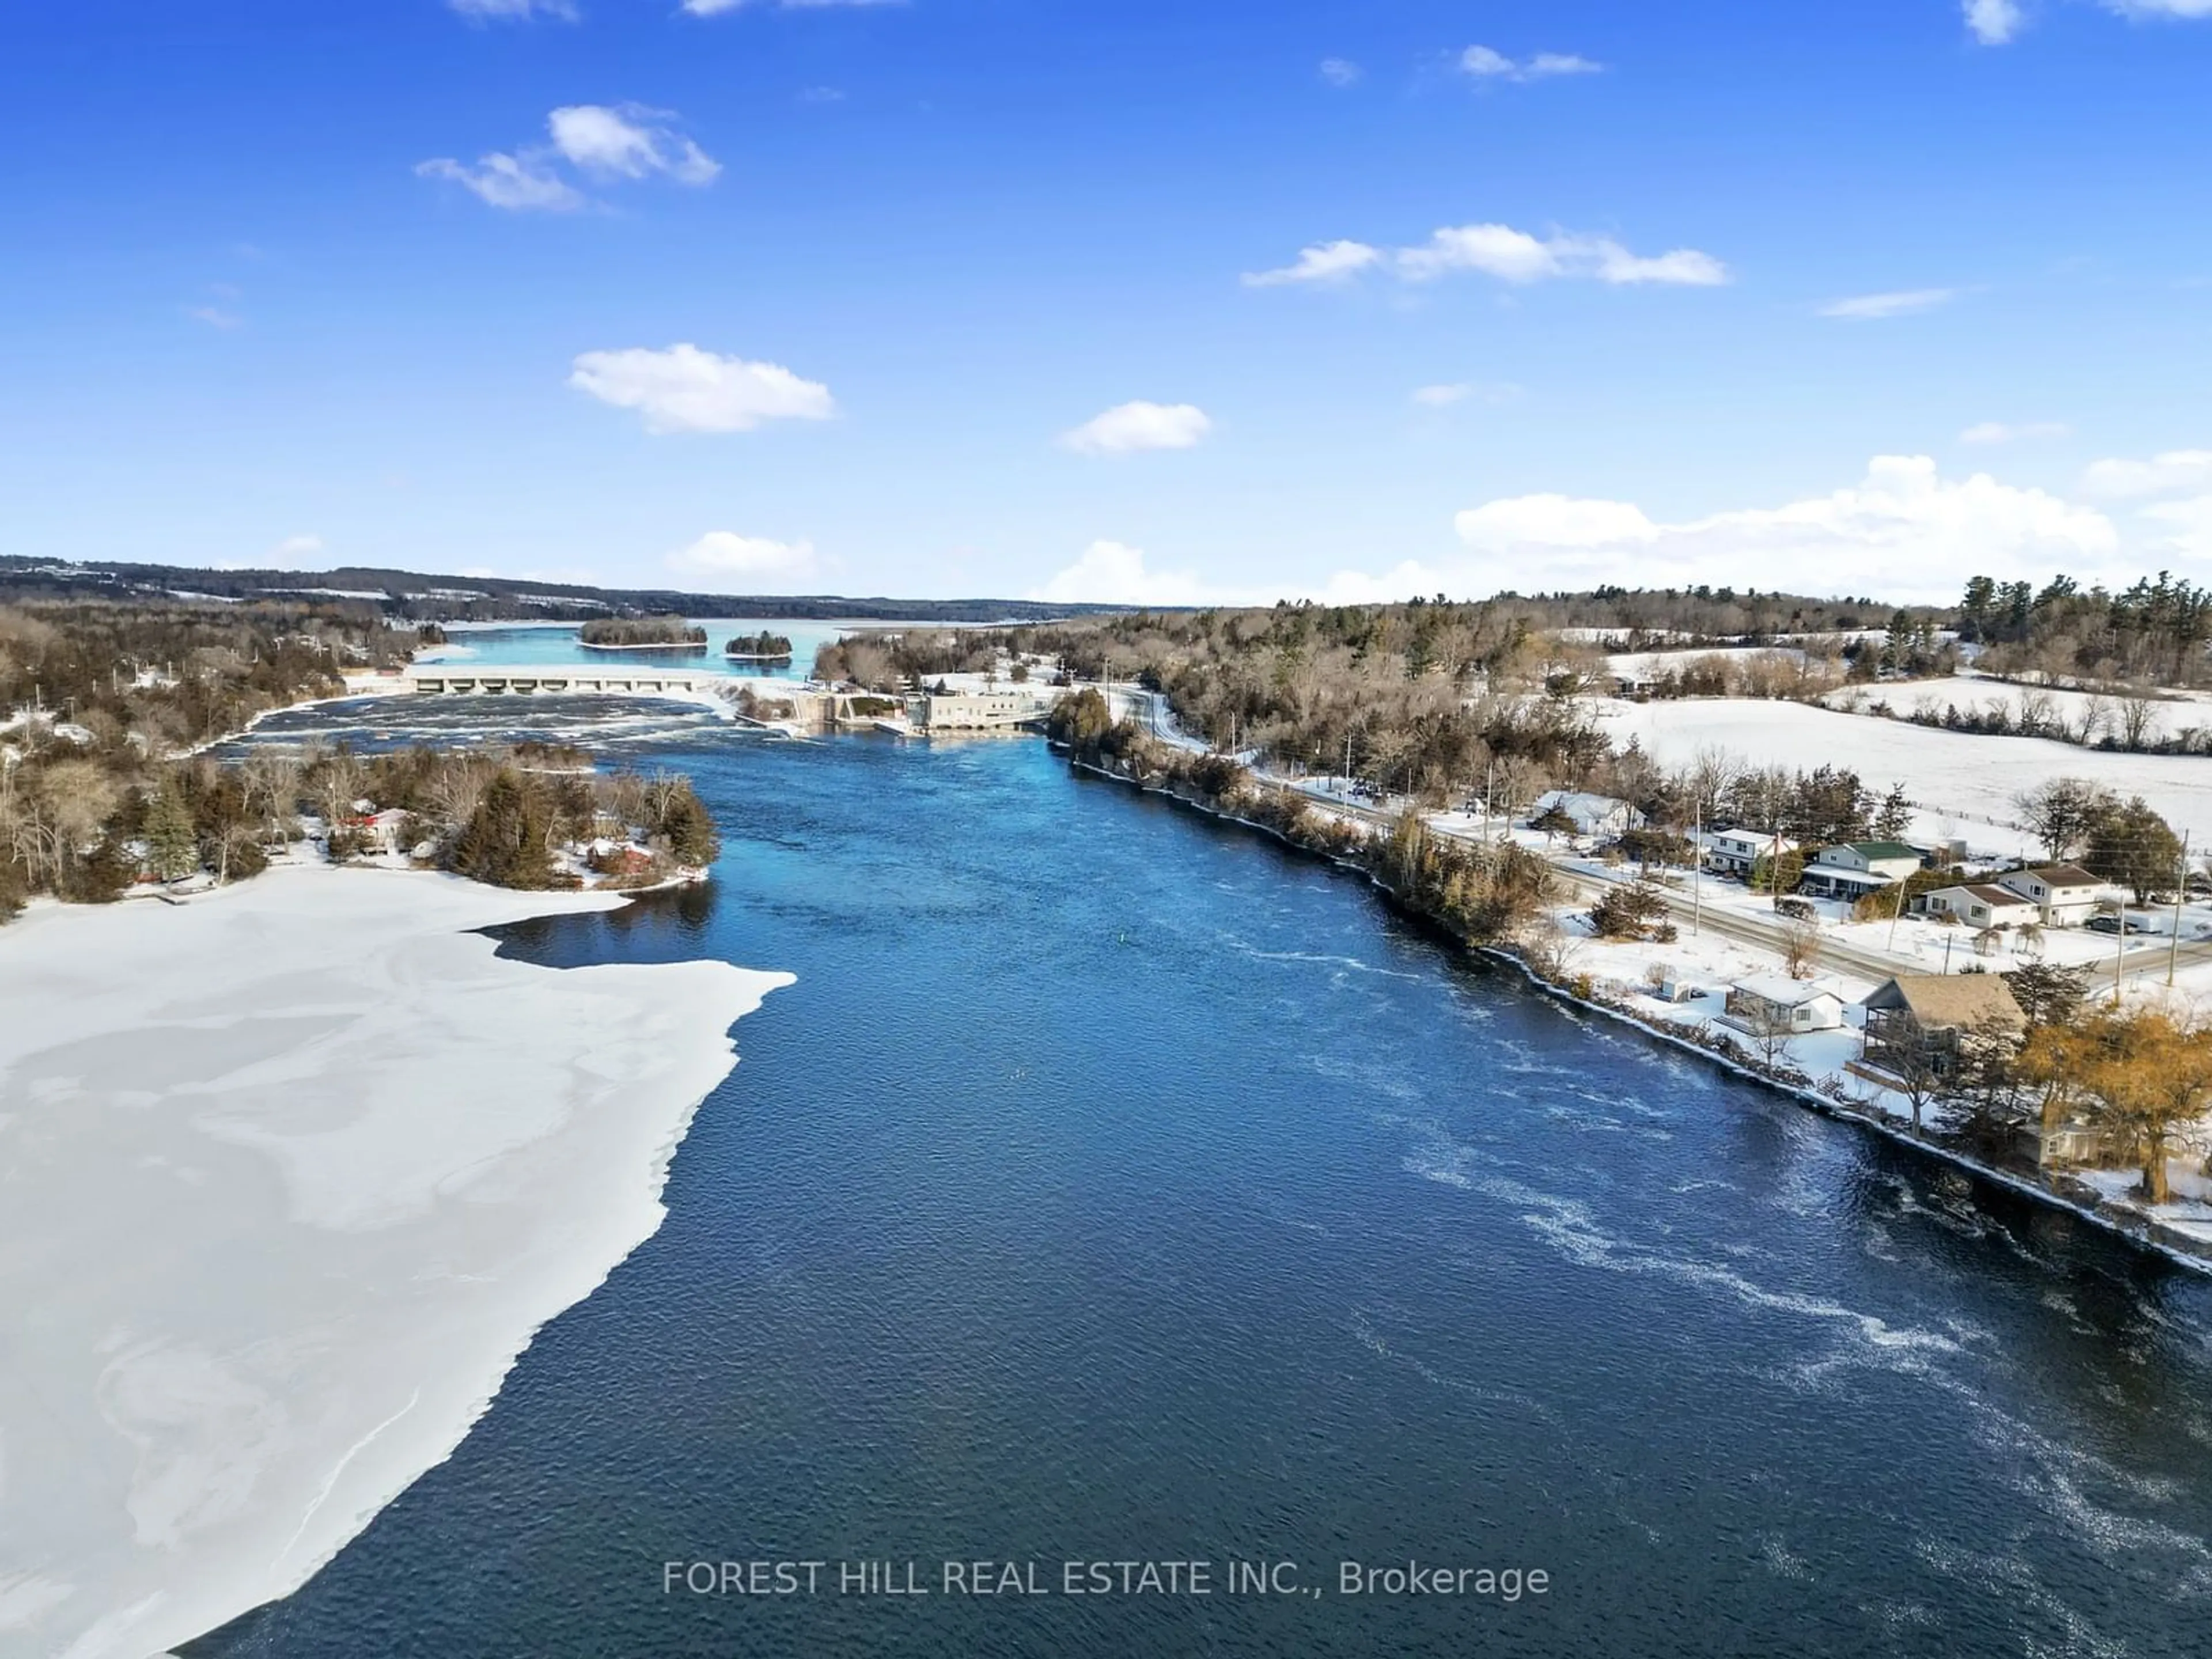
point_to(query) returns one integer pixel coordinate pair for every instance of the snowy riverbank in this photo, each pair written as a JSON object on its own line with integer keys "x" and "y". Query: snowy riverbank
{"x": 288, "y": 1177}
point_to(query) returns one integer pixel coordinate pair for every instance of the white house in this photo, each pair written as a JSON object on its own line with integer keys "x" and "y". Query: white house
{"x": 1980, "y": 905}
{"x": 1856, "y": 868}
{"x": 2065, "y": 895}
{"x": 1767, "y": 1004}
{"x": 1592, "y": 815}
{"x": 1737, "y": 852}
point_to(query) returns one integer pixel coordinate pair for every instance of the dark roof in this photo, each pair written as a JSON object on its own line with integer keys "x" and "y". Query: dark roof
{"x": 2064, "y": 875}
{"x": 1989, "y": 895}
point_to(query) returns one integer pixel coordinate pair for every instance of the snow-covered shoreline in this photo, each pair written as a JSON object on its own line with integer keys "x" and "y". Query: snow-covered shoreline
{"x": 289, "y": 1175}
{"x": 2182, "y": 1244}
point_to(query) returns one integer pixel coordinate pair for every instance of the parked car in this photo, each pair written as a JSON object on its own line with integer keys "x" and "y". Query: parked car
{"x": 2103, "y": 924}
{"x": 1797, "y": 909}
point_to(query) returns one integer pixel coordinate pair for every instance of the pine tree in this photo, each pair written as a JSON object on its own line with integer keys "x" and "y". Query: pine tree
{"x": 1895, "y": 816}
{"x": 172, "y": 850}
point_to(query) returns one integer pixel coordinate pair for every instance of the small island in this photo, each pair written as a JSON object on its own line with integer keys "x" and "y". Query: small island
{"x": 641, "y": 634}
{"x": 763, "y": 646}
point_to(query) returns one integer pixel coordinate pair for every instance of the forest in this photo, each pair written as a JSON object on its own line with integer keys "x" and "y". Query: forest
{"x": 629, "y": 633}
{"x": 106, "y": 710}
{"x": 767, "y": 646}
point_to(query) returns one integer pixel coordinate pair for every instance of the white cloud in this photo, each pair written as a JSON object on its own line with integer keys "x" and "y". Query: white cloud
{"x": 724, "y": 553}
{"x": 2001, "y": 432}
{"x": 2174, "y": 8}
{"x": 1323, "y": 262}
{"x": 1127, "y": 428}
{"x": 1341, "y": 71}
{"x": 628, "y": 141}
{"x": 1458, "y": 391}
{"x": 1486, "y": 64}
{"x": 684, "y": 389}
{"x": 715, "y": 8}
{"x": 1903, "y": 530}
{"x": 1993, "y": 22}
{"x": 607, "y": 142}
{"x": 1111, "y": 573}
{"x": 1873, "y": 307}
{"x": 2174, "y": 472}
{"x": 215, "y": 317}
{"x": 1516, "y": 256}
{"x": 518, "y": 182}
{"x": 1499, "y": 250}
{"x": 1502, "y": 252}
{"x": 2191, "y": 522}
{"x": 563, "y": 10}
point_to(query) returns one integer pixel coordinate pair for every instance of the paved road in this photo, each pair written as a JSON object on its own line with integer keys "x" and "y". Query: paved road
{"x": 2147, "y": 959}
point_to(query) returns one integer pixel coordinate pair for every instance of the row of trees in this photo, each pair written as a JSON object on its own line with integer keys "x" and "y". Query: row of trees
{"x": 1484, "y": 893}
{"x": 2153, "y": 632}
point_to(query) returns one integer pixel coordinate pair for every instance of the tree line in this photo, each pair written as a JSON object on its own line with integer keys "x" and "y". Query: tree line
{"x": 632, "y": 631}
{"x": 105, "y": 708}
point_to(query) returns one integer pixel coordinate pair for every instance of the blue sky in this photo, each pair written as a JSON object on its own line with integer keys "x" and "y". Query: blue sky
{"x": 1014, "y": 296}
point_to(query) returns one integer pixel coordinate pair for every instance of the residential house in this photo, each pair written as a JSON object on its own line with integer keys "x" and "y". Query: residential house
{"x": 1591, "y": 815}
{"x": 1978, "y": 904}
{"x": 1766, "y": 1004}
{"x": 1919, "y": 1024}
{"x": 2065, "y": 894}
{"x": 1737, "y": 852}
{"x": 1856, "y": 868}
{"x": 2069, "y": 1139}
{"x": 379, "y": 832}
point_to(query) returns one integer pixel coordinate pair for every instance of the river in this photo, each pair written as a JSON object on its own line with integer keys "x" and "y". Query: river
{"x": 1114, "y": 1184}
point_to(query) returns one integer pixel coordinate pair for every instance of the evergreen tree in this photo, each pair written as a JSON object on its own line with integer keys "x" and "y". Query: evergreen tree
{"x": 172, "y": 850}
{"x": 2132, "y": 845}
{"x": 1895, "y": 816}
{"x": 504, "y": 841}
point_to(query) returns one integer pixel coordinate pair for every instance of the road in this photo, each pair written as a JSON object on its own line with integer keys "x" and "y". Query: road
{"x": 2146, "y": 959}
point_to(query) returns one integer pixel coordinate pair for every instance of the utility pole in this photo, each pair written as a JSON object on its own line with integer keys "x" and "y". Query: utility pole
{"x": 2180, "y": 891}
{"x": 2119, "y": 948}
{"x": 1697, "y": 867}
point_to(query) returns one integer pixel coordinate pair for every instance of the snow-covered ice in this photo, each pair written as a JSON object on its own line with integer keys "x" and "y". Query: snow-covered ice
{"x": 288, "y": 1177}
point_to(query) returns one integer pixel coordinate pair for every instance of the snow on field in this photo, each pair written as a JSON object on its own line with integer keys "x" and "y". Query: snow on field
{"x": 1972, "y": 694}
{"x": 1954, "y": 775}
{"x": 288, "y": 1177}
{"x": 1649, "y": 665}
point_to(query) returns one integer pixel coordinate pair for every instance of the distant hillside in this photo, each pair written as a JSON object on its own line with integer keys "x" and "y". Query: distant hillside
{"x": 429, "y": 597}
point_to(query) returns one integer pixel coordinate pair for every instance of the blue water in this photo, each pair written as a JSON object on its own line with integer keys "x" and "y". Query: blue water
{"x": 493, "y": 646}
{"x": 1115, "y": 1185}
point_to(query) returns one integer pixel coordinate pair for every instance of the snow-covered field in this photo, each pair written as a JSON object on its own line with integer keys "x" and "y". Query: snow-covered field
{"x": 1958, "y": 776}
{"x": 2170, "y": 712}
{"x": 288, "y": 1177}
{"x": 1651, "y": 664}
